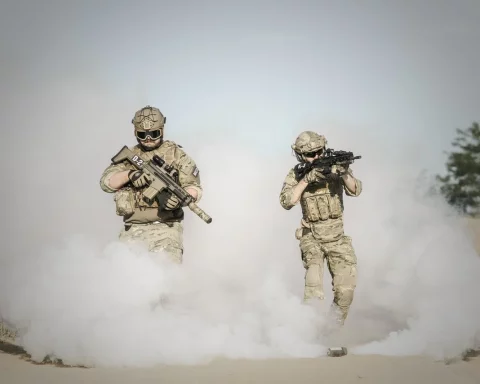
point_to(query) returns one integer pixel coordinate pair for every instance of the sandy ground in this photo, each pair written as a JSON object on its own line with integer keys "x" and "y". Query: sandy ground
{"x": 344, "y": 370}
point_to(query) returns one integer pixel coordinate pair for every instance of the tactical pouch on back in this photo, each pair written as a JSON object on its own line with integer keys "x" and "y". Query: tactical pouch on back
{"x": 124, "y": 202}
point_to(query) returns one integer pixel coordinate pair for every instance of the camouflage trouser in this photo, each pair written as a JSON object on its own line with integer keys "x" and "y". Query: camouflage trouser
{"x": 342, "y": 265}
{"x": 159, "y": 237}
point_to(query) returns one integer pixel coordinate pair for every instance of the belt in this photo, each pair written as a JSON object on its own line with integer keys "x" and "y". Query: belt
{"x": 149, "y": 223}
{"x": 129, "y": 225}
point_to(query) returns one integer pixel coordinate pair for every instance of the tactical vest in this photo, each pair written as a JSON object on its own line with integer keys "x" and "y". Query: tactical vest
{"x": 322, "y": 209}
{"x": 129, "y": 201}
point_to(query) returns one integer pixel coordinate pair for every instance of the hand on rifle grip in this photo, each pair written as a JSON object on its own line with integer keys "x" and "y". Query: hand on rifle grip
{"x": 314, "y": 176}
{"x": 138, "y": 178}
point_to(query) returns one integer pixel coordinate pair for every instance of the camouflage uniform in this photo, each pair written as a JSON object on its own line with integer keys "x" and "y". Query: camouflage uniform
{"x": 160, "y": 229}
{"x": 321, "y": 233}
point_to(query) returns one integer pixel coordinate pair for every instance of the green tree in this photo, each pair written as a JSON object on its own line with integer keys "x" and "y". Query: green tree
{"x": 461, "y": 185}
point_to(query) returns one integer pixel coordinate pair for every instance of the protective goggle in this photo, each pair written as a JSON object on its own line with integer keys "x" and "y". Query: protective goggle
{"x": 154, "y": 134}
{"x": 313, "y": 154}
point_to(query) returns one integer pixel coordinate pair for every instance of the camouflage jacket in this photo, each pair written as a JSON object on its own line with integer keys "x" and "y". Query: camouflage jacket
{"x": 129, "y": 201}
{"x": 321, "y": 203}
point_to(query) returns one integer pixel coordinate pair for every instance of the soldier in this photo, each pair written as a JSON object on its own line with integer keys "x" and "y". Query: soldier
{"x": 158, "y": 225}
{"x": 321, "y": 233}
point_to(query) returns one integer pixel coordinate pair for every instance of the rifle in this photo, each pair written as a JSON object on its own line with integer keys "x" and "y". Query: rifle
{"x": 326, "y": 162}
{"x": 163, "y": 177}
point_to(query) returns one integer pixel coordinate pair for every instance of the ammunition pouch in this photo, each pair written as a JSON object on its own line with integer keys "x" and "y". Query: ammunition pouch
{"x": 321, "y": 207}
{"x": 124, "y": 202}
{"x": 335, "y": 206}
{"x": 323, "y": 211}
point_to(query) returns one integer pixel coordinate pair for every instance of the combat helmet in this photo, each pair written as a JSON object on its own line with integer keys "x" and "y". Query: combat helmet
{"x": 149, "y": 122}
{"x": 308, "y": 142}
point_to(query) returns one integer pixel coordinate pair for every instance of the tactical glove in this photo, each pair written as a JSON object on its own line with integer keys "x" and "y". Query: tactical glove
{"x": 342, "y": 169}
{"x": 172, "y": 202}
{"x": 138, "y": 178}
{"x": 314, "y": 176}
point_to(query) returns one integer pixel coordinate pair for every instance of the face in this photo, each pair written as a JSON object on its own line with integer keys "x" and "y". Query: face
{"x": 149, "y": 139}
{"x": 311, "y": 156}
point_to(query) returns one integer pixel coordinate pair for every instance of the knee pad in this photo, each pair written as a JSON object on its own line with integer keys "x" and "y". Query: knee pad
{"x": 314, "y": 275}
{"x": 344, "y": 296}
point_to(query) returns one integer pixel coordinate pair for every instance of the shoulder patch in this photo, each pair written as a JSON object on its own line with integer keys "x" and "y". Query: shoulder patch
{"x": 195, "y": 171}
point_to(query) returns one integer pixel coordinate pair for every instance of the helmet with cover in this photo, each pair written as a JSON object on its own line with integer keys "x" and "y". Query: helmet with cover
{"x": 308, "y": 144}
{"x": 149, "y": 123}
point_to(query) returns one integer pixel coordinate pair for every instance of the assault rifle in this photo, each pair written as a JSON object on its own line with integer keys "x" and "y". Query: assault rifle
{"x": 163, "y": 178}
{"x": 326, "y": 162}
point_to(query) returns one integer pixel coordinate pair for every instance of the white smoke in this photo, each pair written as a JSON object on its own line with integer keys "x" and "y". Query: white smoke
{"x": 88, "y": 299}
{"x": 421, "y": 274}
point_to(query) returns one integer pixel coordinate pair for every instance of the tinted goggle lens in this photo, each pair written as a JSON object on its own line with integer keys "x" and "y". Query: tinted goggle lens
{"x": 313, "y": 154}
{"x": 142, "y": 135}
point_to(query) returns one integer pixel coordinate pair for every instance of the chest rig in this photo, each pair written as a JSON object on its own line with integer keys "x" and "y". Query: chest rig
{"x": 322, "y": 201}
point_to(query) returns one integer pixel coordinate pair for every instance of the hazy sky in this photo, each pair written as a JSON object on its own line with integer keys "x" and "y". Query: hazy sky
{"x": 403, "y": 70}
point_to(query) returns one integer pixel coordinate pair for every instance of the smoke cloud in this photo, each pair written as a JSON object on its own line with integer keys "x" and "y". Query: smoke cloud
{"x": 77, "y": 293}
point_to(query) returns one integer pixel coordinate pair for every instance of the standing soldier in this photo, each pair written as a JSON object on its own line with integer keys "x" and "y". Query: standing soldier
{"x": 159, "y": 225}
{"x": 321, "y": 234}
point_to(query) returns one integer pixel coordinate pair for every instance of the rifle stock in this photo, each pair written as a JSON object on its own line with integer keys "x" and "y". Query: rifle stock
{"x": 121, "y": 155}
